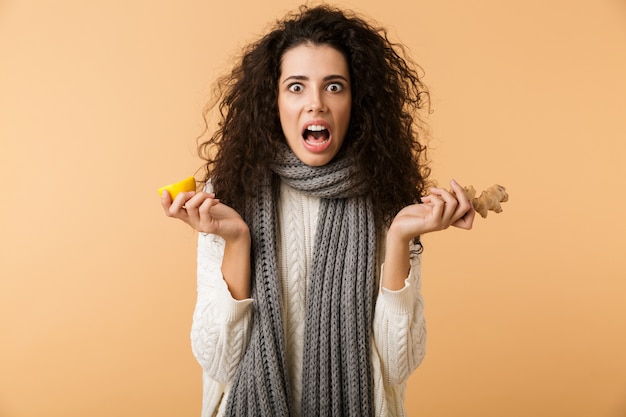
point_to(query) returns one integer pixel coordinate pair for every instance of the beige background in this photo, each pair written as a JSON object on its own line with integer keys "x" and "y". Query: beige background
{"x": 100, "y": 105}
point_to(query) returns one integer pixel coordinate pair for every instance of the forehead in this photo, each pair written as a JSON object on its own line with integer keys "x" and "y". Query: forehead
{"x": 313, "y": 60}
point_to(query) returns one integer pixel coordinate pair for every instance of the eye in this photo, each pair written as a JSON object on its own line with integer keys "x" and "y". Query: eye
{"x": 335, "y": 87}
{"x": 295, "y": 87}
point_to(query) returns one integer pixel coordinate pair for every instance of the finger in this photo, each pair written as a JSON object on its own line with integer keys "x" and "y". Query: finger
{"x": 181, "y": 200}
{"x": 206, "y": 205}
{"x": 177, "y": 208}
{"x": 205, "y": 217}
{"x": 166, "y": 202}
{"x": 428, "y": 199}
{"x": 437, "y": 202}
{"x": 464, "y": 203}
{"x": 172, "y": 208}
{"x": 196, "y": 204}
{"x": 450, "y": 205}
{"x": 458, "y": 191}
{"x": 195, "y": 200}
{"x": 466, "y": 221}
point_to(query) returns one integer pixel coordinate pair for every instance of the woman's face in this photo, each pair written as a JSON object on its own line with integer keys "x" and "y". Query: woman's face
{"x": 314, "y": 101}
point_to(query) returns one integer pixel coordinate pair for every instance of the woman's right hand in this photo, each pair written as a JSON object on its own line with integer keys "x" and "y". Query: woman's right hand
{"x": 206, "y": 214}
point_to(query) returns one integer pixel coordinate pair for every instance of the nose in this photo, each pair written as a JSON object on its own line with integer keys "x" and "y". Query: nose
{"x": 316, "y": 103}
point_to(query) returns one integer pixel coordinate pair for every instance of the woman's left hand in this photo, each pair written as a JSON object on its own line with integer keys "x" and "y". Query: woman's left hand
{"x": 439, "y": 210}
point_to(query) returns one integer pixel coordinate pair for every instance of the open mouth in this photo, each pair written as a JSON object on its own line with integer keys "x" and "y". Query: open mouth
{"x": 316, "y": 135}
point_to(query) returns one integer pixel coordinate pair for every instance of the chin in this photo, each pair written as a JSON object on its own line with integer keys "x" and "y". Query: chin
{"x": 316, "y": 160}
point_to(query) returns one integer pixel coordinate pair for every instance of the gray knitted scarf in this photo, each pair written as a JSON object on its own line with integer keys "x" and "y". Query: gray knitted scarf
{"x": 337, "y": 373}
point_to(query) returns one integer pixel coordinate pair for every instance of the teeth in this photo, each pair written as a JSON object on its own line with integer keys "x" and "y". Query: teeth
{"x": 315, "y": 128}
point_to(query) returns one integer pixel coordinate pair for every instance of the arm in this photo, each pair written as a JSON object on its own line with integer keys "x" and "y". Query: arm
{"x": 400, "y": 327}
{"x": 206, "y": 214}
{"x": 222, "y": 316}
{"x": 221, "y": 324}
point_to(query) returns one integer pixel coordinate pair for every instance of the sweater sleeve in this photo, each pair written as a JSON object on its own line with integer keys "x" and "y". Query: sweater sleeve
{"x": 400, "y": 327}
{"x": 221, "y": 325}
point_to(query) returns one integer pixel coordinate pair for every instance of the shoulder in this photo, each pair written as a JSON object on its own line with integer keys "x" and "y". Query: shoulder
{"x": 208, "y": 187}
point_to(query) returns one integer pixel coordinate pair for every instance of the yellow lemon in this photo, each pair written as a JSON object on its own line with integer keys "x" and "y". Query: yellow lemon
{"x": 188, "y": 184}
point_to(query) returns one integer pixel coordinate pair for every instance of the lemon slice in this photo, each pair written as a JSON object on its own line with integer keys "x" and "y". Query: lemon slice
{"x": 188, "y": 184}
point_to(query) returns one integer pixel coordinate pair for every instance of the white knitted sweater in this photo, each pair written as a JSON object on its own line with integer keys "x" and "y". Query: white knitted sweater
{"x": 221, "y": 325}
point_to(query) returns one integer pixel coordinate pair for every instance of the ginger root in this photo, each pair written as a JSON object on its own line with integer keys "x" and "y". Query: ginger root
{"x": 489, "y": 199}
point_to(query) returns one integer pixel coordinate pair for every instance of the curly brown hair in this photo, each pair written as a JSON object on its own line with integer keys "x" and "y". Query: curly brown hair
{"x": 385, "y": 124}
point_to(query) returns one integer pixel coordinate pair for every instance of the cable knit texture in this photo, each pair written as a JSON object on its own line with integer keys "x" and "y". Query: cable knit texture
{"x": 221, "y": 326}
{"x": 339, "y": 302}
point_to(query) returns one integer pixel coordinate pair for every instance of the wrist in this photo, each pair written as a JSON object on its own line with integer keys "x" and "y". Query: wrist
{"x": 239, "y": 237}
{"x": 397, "y": 261}
{"x": 396, "y": 238}
{"x": 236, "y": 264}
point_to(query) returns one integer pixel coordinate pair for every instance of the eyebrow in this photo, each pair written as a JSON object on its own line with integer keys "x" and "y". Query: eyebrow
{"x": 326, "y": 78}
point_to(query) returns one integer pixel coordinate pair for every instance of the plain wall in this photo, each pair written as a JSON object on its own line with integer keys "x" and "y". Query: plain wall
{"x": 100, "y": 104}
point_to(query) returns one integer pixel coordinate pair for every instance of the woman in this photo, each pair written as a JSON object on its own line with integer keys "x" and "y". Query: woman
{"x": 317, "y": 182}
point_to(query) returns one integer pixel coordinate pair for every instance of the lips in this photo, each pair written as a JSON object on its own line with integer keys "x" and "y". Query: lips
{"x": 316, "y": 136}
